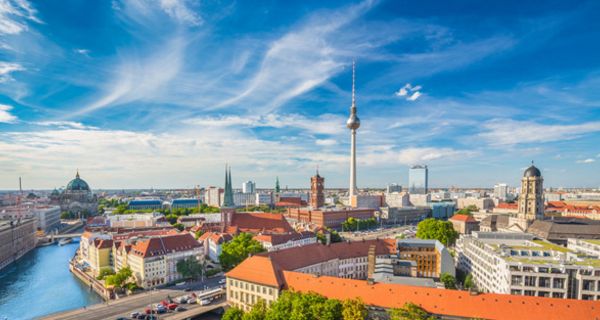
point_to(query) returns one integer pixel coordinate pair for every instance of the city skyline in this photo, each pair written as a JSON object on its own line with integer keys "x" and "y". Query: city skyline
{"x": 164, "y": 93}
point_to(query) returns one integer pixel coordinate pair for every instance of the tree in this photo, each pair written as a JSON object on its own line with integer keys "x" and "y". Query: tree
{"x": 467, "y": 210}
{"x": 354, "y": 309}
{"x": 190, "y": 268}
{"x": 410, "y": 311}
{"x": 198, "y": 234}
{"x": 437, "y": 229}
{"x": 469, "y": 284}
{"x": 172, "y": 218}
{"x": 238, "y": 249}
{"x": 448, "y": 280}
{"x": 118, "y": 279}
{"x": 258, "y": 311}
{"x": 179, "y": 226}
{"x": 233, "y": 313}
{"x": 106, "y": 271}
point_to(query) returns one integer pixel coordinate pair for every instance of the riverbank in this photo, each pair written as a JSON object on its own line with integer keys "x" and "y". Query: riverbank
{"x": 40, "y": 283}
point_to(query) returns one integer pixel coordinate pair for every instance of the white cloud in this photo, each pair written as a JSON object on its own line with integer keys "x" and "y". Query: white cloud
{"x": 179, "y": 10}
{"x": 300, "y": 60}
{"x": 412, "y": 156}
{"x": 588, "y": 160}
{"x": 411, "y": 93}
{"x": 14, "y": 15}
{"x": 323, "y": 124}
{"x": 84, "y": 52}
{"x": 64, "y": 124}
{"x": 5, "y": 115}
{"x": 509, "y": 132}
{"x": 326, "y": 142}
{"x": 6, "y": 68}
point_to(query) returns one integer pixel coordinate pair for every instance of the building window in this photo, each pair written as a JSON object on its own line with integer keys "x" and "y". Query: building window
{"x": 557, "y": 295}
{"x": 588, "y": 285}
{"x": 530, "y": 281}
{"x": 558, "y": 283}
{"x": 529, "y": 293}
{"x": 544, "y": 282}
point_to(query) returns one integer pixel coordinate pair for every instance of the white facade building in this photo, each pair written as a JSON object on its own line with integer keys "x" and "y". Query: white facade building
{"x": 515, "y": 263}
{"x": 249, "y": 187}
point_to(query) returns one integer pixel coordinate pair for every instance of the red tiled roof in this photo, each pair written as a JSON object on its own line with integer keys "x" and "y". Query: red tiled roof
{"x": 256, "y": 222}
{"x": 103, "y": 243}
{"x": 506, "y": 205}
{"x": 453, "y": 303}
{"x": 258, "y": 269}
{"x": 163, "y": 245}
{"x": 278, "y": 238}
{"x": 299, "y": 257}
{"x": 463, "y": 218}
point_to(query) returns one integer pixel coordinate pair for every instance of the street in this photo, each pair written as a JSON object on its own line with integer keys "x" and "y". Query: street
{"x": 138, "y": 303}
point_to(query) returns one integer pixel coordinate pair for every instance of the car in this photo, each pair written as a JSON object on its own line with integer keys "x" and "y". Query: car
{"x": 187, "y": 290}
{"x": 122, "y": 318}
{"x": 205, "y": 302}
{"x": 141, "y": 316}
{"x": 180, "y": 309}
{"x": 172, "y": 306}
{"x": 192, "y": 301}
{"x": 222, "y": 281}
{"x": 134, "y": 315}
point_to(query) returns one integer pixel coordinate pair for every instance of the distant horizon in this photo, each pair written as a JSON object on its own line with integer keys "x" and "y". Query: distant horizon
{"x": 143, "y": 93}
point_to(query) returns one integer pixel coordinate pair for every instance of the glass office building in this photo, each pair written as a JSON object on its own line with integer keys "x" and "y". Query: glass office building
{"x": 418, "y": 179}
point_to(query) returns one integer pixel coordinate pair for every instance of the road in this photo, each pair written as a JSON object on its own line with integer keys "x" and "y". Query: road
{"x": 125, "y": 306}
{"x": 369, "y": 235}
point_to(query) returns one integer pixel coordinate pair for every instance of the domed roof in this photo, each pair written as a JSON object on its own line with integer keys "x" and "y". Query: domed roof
{"x": 532, "y": 171}
{"x": 77, "y": 184}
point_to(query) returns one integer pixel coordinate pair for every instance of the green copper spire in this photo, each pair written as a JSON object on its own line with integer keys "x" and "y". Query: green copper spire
{"x": 277, "y": 188}
{"x": 228, "y": 194}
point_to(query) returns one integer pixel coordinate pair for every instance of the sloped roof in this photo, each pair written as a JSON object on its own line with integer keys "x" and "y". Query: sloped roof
{"x": 258, "y": 269}
{"x": 163, "y": 245}
{"x": 444, "y": 302}
{"x": 463, "y": 218}
{"x": 256, "y": 222}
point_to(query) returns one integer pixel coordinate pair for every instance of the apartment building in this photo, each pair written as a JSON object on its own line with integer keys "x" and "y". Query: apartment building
{"x": 431, "y": 257}
{"x": 17, "y": 237}
{"x": 518, "y": 264}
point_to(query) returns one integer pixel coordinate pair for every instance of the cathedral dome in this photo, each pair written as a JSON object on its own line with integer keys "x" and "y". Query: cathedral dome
{"x": 78, "y": 184}
{"x": 532, "y": 171}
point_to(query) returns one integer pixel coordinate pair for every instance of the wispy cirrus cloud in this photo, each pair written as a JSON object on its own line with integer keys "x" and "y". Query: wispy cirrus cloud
{"x": 5, "y": 115}
{"x": 586, "y": 161}
{"x": 510, "y": 132}
{"x": 14, "y": 15}
{"x": 64, "y": 124}
{"x": 323, "y": 124}
{"x": 6, "y": 68}
{"x": 178, "y": 9}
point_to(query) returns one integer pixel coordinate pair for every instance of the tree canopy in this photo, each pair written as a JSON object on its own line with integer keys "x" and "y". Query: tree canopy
{"x": 410, "y": 311}
{"x": 467, "y": 210}
{"x": 448, "y": 280}
{"x": 190, "y": 268}
{"x": 437, "y": 229}
{"x": 238, "y": 249}
{"x": 118, "y": 279}
{"x": 353, "y": 224}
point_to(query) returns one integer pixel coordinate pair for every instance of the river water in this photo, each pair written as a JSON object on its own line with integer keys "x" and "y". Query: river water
{"x": 40, "y": 283}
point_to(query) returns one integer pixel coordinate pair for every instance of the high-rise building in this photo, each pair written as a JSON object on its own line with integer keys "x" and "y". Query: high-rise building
{"x": 353, "y": 124}
{"x": 394, "y": 187}
{"x": 418, "y": 179}
{"x": 317, "y": 198}
{"x": 249, "y": 187}
{"x": 501, "y": 191}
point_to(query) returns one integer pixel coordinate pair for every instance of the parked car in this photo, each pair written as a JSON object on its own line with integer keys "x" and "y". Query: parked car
{"x": 172, "y": 306}
{"x": 180, "y": 309}
{"x": 222, "y": 281}
{"x": 205, "y": 302}
{"x": 187, "y": 289}
{"x": 134, "y": 315}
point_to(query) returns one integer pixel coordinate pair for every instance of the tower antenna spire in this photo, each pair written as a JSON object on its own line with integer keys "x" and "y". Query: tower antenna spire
{"x": 353, "y": 86}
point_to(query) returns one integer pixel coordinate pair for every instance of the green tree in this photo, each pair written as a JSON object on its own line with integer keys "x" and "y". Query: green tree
{"x": 410, "y": 311}
{"x": 190, "y": 268}
{"x": 354, "y": 309}
{"x": 198, "y": 234}
{"x": 448, "y": 280}
{"x": 106, "y": 271}
{"x": 469, "y": 284}
{"x": 233, "y": 313}
{"x": 172, "y": 218}
{"x": 258, "y": 311}
{"x": 437, "y": 229}
{"x": 118, "y": 279}
{"x": 238, "y": 249}
{"x": 179, "y": 226}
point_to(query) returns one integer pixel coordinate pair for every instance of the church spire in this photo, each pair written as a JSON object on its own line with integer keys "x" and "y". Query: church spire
{"x": 77, "y": 174}
{"x": 228, "y": 193}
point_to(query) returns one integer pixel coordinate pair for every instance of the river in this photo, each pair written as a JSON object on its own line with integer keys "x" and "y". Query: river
{"x": 40, "y": 283}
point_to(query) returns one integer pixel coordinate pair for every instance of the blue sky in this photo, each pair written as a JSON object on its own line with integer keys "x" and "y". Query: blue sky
{"x": 163, "y": 93}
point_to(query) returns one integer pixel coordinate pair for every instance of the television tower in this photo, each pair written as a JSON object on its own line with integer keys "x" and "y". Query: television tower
{"x": 353, "y": 124}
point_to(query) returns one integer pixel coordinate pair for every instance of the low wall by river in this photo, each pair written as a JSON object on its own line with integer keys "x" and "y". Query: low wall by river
{"x": 94, "y": 284}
